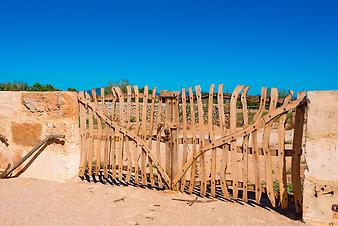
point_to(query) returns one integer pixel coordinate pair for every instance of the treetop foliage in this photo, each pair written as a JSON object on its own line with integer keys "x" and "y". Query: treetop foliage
{"x": 22, "y": 86}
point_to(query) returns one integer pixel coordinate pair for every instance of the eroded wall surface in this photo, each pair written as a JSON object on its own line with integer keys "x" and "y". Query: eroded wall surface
{"x": 321, "y": 155}
{"x": 26, "y": 118}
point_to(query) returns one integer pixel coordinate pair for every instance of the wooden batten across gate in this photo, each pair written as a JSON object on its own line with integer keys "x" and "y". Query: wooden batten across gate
{"x": 207, "y": 143}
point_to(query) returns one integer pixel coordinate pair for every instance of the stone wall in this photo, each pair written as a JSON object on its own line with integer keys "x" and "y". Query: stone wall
{"x": 26, "y": 118}
{"x": 321, "y": 155}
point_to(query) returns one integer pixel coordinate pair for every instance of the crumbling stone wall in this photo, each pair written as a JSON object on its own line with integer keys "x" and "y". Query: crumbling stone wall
{"x": 321, "y": 155}
{"x": 26, "y": 118}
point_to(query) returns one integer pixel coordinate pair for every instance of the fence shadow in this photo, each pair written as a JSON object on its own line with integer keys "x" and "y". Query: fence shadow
{"x": 265, "y": 203}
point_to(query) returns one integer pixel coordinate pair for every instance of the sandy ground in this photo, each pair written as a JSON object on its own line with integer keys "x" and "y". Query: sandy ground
{"x": 34, "y": 202}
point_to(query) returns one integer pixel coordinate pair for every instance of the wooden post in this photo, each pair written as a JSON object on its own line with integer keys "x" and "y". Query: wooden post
{"x": 171, "y": 142}
{"x": 296, "y": 155}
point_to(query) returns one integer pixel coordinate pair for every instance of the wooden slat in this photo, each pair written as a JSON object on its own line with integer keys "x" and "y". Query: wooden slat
{"x": 90, "y": 140}
{"x": 127, "y": 140}
{"x": 106, "y": 151}
{"x": 258, "y": 115}
{"x": 296, "y": 157}
{"x": 120, "y": 157}
{"x": 137, "y": 119}
{"x": 283, "y": 193}
{"x": 98, "y": 141}
{"x": 167, "y": 154}
{"x": 267, "y": 155}
{"x": 212, "y": 139}
{"x": 158, "y": 138}
{"x": 83, "y": 121}
{"x": 233, "y": 145}
{"x": 184, "y": 125}
{"x": 107, "y": 138}
{"x": 245, "y": 144}
{"x": 121, "y": 121}
{"x": 193, "y": 133}
{"x": 144, "y": 135}
{"x": 113, "y": 150}
{"x": 273, "y": 149}
{"x": 174, "y": 142}
{"x": 150, "y": 144}
{"x": 225, "y": 148}
{"x": 203, "y": 187}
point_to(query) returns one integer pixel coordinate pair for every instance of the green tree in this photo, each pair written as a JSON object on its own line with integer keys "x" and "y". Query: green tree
{"x": 72, "y": 90}
{"x": 122, "y": 84}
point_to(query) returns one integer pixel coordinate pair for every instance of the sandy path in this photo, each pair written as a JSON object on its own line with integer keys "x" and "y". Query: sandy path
{"x": 34, "y": 202}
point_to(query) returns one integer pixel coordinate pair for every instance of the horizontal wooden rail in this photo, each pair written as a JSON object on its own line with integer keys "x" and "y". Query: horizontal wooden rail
{"x": 226, "y": 96}
{"x": 273, "y": 150}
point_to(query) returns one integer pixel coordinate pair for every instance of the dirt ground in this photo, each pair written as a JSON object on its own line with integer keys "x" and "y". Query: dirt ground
{"x": 34, "y": 202}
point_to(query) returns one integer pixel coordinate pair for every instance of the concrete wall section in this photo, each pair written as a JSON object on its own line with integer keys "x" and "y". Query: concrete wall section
{"x": 26, "y": 118}
{"x": 321, "y": 155}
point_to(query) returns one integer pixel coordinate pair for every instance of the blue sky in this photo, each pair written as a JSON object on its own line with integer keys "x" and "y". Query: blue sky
{"x": 171, "y": 44}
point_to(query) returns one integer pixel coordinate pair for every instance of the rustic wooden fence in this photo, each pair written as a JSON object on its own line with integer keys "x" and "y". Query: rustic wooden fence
{"x": 209, "y": 143}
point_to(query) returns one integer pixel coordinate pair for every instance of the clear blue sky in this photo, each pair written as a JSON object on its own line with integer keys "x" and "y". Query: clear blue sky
{"x": 170, "y": 44}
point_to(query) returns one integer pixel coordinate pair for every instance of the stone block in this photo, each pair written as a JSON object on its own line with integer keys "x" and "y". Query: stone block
{"x": 27, "y": 134}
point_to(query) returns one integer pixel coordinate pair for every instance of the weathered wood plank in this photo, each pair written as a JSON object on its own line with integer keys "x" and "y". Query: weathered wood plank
{"x": 137, "y": 119}
{"x": 90, "y": 140}
{"x": 233, "y": 144}
{"x": 127, "y": 140}
{"x": 167, "y": 155}
{"x": 283, "y": 194}
{"x": 98, "y": 141}
{"x": 184, "y": 125}
{"x": 83, "y": 121}
{"x": 212, "y": 139}
{"x": 258, "y": 178}
{"x": 267, "y": 155}
{"x": 121, "y": 121}
{"x": 245, "y": 143}
{"x": 174, "y": 142}
{"x": 296, "y": 157}
{"x": 144, "y": 135}
{"x": 193, "y": 134}
{"x": 225, "y": 148}
{"x": 203, "y": 187}
{"x": 158, "y": 138}
{"x": 150, "y": 144}
{"x": 107, "y": 139}
{"x": 114, "y": 133}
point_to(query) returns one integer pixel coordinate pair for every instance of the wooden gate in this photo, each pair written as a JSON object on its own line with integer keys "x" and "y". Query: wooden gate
{"x": 210, "y": 143}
